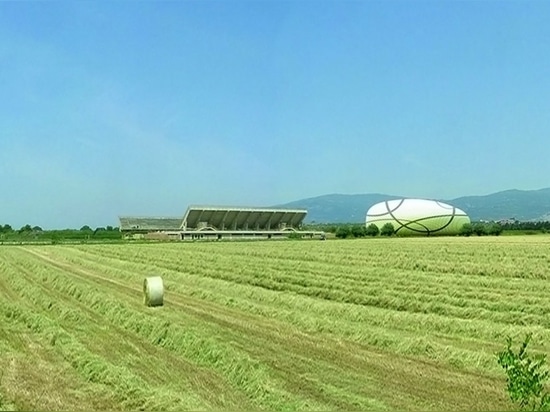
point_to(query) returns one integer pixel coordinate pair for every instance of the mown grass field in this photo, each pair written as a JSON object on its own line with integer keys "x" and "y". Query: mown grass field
{"x": 373, "y": 324}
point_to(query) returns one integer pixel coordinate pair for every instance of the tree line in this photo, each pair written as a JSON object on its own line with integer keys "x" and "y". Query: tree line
{"x": 36, "y": 233}
{"x": 357, "y": 230}
{"x": 542, "y": 226}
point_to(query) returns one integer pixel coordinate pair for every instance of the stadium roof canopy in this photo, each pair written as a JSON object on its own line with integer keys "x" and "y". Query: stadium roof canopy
{"x": 241, "y": 218}
{"x": 129, "y": 223}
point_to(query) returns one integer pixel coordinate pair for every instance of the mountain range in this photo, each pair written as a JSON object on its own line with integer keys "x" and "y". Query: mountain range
{"x": 523, "y": 205}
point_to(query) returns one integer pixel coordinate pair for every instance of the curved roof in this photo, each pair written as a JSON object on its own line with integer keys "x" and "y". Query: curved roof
{"x": 241, "y": 218}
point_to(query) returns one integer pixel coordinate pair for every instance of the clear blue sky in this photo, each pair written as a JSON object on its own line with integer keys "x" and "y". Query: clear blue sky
{"x": 143, "y": 108}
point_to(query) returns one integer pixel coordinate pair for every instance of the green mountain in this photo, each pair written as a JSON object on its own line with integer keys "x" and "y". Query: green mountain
{"x": 337, "y": 208}
{"x": 519, "y": 204}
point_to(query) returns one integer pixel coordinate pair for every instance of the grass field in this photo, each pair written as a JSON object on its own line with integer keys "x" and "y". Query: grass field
{"x": 373, "y": 324}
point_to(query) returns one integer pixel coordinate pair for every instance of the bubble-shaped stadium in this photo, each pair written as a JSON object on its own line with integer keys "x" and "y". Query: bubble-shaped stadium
{"x": 418, "y": 217}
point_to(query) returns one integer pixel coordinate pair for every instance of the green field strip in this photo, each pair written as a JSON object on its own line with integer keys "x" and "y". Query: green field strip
{"x": 69, "y": 317}
{"x": 454, "y": 321}
{"x": 413, "y": 346}
{"x": 289, "y": 325}
{"x": 125, "y": 388}
{"x": 129, "y": 347}
{"x": 365, "y": 405}
{"x": 36, "y": 377}
{"x": 436, "y": 277}
{"x": 186, "y": 258}
{"x": 192, "y": 342}
{"x": 461, "y": 303}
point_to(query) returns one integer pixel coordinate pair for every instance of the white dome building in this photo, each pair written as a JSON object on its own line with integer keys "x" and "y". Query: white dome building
{"x": 418, "y": 217}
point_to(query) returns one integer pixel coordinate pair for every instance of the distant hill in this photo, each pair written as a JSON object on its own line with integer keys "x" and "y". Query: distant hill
{"x": 338, "y": 208}
{"x": 519, "y": 204}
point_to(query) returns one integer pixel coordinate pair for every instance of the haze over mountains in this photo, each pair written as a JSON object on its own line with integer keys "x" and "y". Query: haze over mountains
{"x": 523, "y": 205}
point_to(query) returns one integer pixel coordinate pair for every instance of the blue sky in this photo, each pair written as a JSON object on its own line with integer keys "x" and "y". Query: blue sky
{"x": 143, "y": 108}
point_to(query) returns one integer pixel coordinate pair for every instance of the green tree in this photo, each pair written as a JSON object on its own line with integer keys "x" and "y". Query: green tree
{"x": 494, "y": 229}
{"x": 372, "y": 230}
{"x": 526, "y": 376}
{"x": 55, "y": 237}
{"x": 466, "y": 230}
{"x": 25, "y": 229}
{"x": 343, "y": 232}
{"x": 86, "y": 228}
{"x": 387, "y": 229}
{"x": 358, "y": 230}
{"x": 479, "y": 228}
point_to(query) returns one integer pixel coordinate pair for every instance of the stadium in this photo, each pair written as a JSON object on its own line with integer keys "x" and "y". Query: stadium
{"x": 219, "y": 222}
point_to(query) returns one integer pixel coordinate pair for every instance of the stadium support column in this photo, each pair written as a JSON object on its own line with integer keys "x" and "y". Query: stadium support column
{"x": 200, "y": 216}
{"x": 246, "y": 222}
{"x": 222, "y": 224}
{"x": 235, "y": 220}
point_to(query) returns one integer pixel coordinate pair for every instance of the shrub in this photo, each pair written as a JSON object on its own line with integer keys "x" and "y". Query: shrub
{"x": 526, "y": 376}
{"x": 294, "y": 235}
{"x": 479, "y": 229}
{"x": 387, "y": 230}
{"x": 358, "y": 230}
{"x": 467, "y": 229}
{"x": 372, "y": 230}
{"x": 494, "y": 229}
{"x": 343, "y": 232}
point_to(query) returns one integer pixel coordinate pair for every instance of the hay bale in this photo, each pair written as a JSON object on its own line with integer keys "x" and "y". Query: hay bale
{"x": 153, "y": 290}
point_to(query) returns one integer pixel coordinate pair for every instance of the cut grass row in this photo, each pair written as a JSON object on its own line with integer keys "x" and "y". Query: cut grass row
{"x": 187, "y": 337}
{"x": 283, "y": 325}
{"x": 459, "y": 299}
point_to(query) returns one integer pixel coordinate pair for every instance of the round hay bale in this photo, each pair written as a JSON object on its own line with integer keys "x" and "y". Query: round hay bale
{"x": 153, "y": 290}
